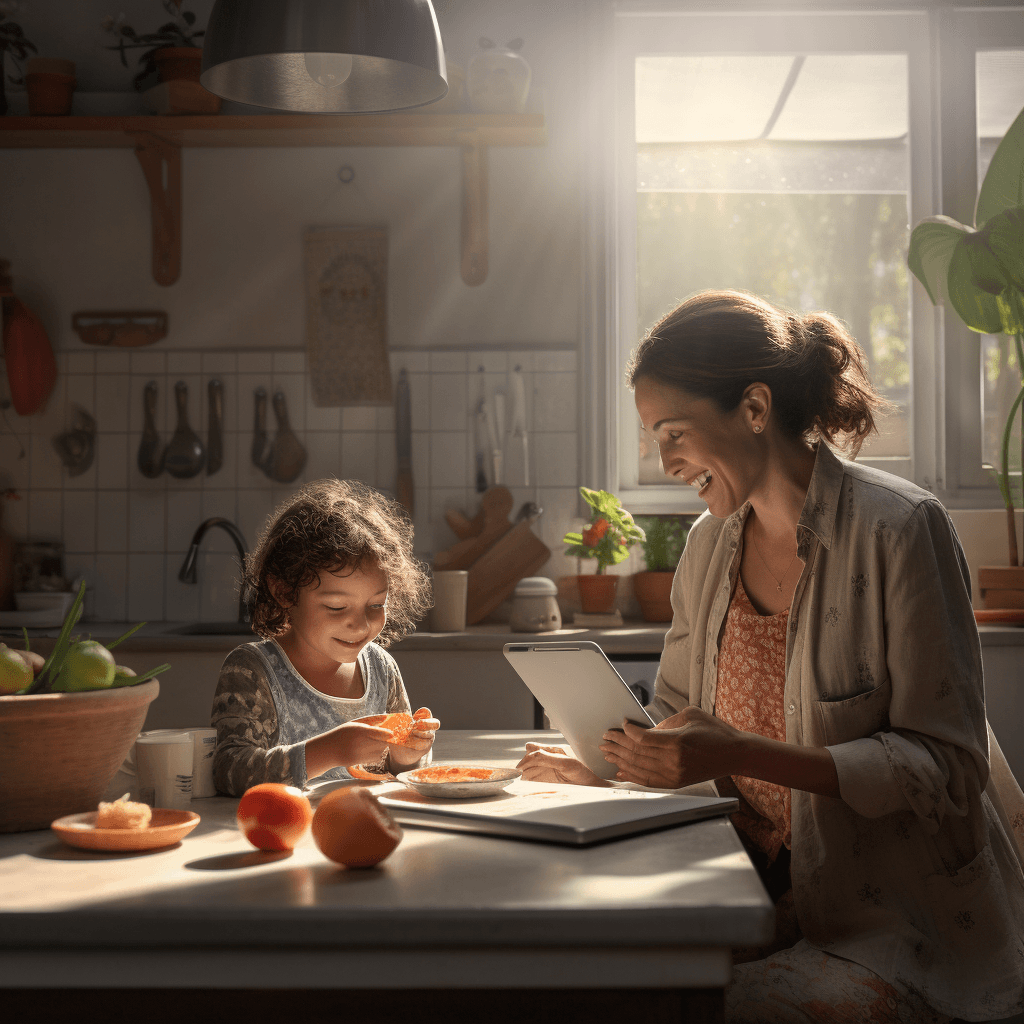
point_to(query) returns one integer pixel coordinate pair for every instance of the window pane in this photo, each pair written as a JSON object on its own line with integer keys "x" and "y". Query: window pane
{"x": 787, "y": 177}
{"x": 1000, "y": 91}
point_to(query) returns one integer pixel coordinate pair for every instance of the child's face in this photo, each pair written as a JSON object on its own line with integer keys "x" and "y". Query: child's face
{"x": 341, "y": 615}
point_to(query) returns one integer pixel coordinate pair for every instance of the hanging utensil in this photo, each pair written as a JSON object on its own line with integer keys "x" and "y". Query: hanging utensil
{"x": 480, "y": 436}
{"x": 151, "y": 452}
{"x": 77, "y": 445}
{"x": 518, "y": 428}
{"x": 259, "y": 428}
{"x": 287, "y": 456}
{"x": 185, "y": 455}
{"x": 214, "y": 433}
{"x": 404, "y": 489}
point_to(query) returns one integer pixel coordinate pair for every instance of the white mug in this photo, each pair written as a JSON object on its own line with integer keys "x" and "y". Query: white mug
{"x": 450, "y": 589}
{"x": 204, "y": 745}
{"x": 164, "y": 764}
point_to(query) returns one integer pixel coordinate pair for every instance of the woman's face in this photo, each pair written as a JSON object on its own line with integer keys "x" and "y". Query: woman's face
{"x": 700, "y": 444}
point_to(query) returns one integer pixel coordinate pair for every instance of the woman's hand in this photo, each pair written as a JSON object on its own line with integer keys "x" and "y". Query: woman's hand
{"x": 684, "y": 749}
{"x": 420, "y": 740}
{"x": 553, "y": 764}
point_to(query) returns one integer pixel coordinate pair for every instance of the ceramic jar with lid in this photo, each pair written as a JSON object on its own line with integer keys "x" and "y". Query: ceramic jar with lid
{"x": 534, "y": 607}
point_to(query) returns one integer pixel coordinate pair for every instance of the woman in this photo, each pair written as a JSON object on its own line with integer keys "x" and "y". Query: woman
{"x": 823, "y": 665}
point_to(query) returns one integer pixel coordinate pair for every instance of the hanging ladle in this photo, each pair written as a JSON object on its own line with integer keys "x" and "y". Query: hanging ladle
{"x": 185, "y": 454}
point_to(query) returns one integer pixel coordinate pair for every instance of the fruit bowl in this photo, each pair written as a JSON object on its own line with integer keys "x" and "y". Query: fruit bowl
{"x": 59, "y": 751}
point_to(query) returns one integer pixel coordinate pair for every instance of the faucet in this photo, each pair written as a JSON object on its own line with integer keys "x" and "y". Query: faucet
{"x": 187, "y": 572}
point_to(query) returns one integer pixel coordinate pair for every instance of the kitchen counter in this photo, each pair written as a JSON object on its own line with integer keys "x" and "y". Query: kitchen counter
{"x": 653, "y": 913}
{"x": 633, "y": 637}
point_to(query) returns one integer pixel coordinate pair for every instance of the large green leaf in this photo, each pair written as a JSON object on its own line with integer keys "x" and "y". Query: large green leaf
{"x": 1003, "y": 186}
{"x": 1005, "y": 236}
{"x": 975, "y": 280}
{"x": 931, "y": 248}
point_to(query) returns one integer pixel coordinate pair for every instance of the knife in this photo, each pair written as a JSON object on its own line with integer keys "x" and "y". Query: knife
{"x": 403, "y": 443}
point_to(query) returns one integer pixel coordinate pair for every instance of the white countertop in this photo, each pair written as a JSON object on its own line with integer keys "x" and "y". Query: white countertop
{"x": 688, "y": 886}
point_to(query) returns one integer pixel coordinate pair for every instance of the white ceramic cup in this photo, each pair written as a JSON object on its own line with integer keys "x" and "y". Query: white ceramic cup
{"x": 164, "y": 765}
{"x": 450, "y": 589}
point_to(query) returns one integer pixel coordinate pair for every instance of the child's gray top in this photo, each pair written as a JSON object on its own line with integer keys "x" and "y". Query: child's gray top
{"x": 264, "y": 712}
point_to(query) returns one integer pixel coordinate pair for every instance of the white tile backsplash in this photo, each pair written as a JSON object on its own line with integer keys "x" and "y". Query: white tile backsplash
{"x": 128, "y": 534}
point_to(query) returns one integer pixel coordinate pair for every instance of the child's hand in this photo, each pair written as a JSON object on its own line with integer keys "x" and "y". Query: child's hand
{"x": 420, "y": 740}
{"x": 360, "y": 742}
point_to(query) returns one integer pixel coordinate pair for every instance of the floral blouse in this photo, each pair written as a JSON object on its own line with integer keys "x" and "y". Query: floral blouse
{"x": 751, "y": 685}
{"x": 915, "y": 872}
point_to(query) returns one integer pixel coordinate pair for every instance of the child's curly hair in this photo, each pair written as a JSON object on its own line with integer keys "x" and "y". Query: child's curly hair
{"x": 331, "y": 525}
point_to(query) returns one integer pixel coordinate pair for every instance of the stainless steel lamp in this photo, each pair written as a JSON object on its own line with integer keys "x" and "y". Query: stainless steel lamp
{"x": 325, "y": 56}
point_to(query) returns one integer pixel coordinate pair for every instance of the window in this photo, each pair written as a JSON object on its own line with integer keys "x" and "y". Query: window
{"x": 789, "y": 154}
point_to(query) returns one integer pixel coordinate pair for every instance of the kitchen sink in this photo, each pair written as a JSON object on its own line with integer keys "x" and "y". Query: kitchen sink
{"x": 214, "y": 629}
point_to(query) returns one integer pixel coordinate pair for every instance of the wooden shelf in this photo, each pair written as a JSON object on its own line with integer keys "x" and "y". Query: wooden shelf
{"x": 157, "y": 142}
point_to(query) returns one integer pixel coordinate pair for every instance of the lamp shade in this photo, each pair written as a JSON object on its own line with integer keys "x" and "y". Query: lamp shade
{"x": 325, "y": 56}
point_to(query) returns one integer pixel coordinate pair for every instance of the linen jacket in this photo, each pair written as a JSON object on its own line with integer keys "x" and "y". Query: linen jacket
{"x": 915, "y": 873}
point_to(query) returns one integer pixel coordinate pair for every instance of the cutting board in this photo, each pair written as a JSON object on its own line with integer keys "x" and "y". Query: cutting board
{"x": 495, "y": 505}
{"x": 494, "y": 575}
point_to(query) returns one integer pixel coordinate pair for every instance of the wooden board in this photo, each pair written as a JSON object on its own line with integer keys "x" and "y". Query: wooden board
{"x": 493, "y": 576}
{"x": 346, "y": 316}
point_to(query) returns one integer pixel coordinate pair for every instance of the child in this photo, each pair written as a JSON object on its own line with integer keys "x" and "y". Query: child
{"x": 332, "y": 573}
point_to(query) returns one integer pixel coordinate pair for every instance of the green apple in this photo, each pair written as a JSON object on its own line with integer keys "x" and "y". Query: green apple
{"x": 88, "y": 665}
{"x": 124, "y": 676}
{"x": 15, "y": 672}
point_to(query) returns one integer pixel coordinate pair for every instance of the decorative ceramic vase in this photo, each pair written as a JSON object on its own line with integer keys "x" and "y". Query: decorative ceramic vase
{"x": 50, "y": 85}
{"x": 597, "y": 592}
{"x": 60, "y": 750}
{"x": 178, "y": 63}
{"x": 652, "y": 591}
{"x": 498, "y": 79}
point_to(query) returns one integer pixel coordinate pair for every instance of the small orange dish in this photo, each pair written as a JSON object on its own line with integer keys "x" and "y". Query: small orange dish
{"x": 165, "y": 828}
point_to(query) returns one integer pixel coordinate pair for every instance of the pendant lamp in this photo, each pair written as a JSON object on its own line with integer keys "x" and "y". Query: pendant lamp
{"x": 325, "y": 56}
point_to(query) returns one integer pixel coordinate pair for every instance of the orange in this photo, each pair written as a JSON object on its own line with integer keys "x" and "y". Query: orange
{"x": 400, "y": 723}
{"x": 351, "y": 827}
{"x": 273, "y": 816}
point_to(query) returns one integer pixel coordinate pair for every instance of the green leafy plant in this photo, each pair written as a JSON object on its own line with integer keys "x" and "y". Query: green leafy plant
{"x": 12, "y": 40}
{"x": 979, "y": 272}
{"x": 179, "y": 31}
{"x": 610, "y": 534}
{"x": 664, "y": 541}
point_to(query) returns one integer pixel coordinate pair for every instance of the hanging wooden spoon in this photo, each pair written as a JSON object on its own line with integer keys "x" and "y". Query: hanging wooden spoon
{"x": 151, "y": 452}
{"x": 214, "y": 430}
{"x": 287, "y": 456}
{"x": 185, "y": 454}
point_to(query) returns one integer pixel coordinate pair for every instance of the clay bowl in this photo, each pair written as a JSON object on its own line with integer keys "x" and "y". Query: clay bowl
{"x": 58, "y": 751}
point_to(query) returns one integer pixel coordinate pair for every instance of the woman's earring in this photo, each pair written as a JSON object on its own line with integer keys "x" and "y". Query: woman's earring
{"x": 757, "y": 428}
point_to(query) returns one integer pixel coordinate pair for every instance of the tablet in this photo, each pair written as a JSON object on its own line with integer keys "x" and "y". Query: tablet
{"x": 581, "y": 692}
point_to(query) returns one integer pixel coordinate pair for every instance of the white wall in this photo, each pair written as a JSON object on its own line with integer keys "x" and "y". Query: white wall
{"x": 75, "y": 225}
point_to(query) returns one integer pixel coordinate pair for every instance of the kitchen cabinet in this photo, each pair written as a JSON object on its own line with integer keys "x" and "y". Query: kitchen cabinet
{"x": 158, "y": 140}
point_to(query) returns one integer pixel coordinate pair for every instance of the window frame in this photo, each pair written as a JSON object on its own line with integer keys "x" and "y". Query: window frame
{"x": 940, "y": 395}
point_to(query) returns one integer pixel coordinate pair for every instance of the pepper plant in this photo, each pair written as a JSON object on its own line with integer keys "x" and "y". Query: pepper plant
{"x": 979, "y": 272}
{"x": 610, "y": 533}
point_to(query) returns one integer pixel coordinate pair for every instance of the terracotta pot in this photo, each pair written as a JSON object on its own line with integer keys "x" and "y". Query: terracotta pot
{"x": 597, "y": 592}
{"x": 59, "y": 751}
{"x": 1001, "y": 586}
{"x": 653, "y": 590}
{"x": 50, "y": 92}
{"x": 174, "y": 63}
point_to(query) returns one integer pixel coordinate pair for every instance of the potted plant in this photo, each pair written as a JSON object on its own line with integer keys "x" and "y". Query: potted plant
{"x": 13, "y": 42}
{"x": 979, "y": 272}
{"x": 608, "y": 537}
{"x": 170, "y": 52}
{"x": 663, "y": 545}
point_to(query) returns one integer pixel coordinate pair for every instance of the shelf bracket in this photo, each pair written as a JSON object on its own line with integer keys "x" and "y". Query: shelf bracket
{"x": 474, "y": 210}
{"x": 161, "y": 164}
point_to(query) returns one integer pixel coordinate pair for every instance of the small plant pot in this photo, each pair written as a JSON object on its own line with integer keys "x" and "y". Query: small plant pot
{"x": 50, "y": 86}
{"x": 653, "y": 593}
{"x": 597, "y": 592}
{"x": 1001, "y": 586}
{"x": 179, "y": 63}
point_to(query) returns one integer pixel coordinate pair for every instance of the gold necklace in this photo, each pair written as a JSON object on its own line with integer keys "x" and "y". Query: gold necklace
{"x": 778, "y": 581}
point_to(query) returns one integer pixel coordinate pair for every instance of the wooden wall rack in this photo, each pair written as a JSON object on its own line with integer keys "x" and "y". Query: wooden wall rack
{"x": 158, "y": 141}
